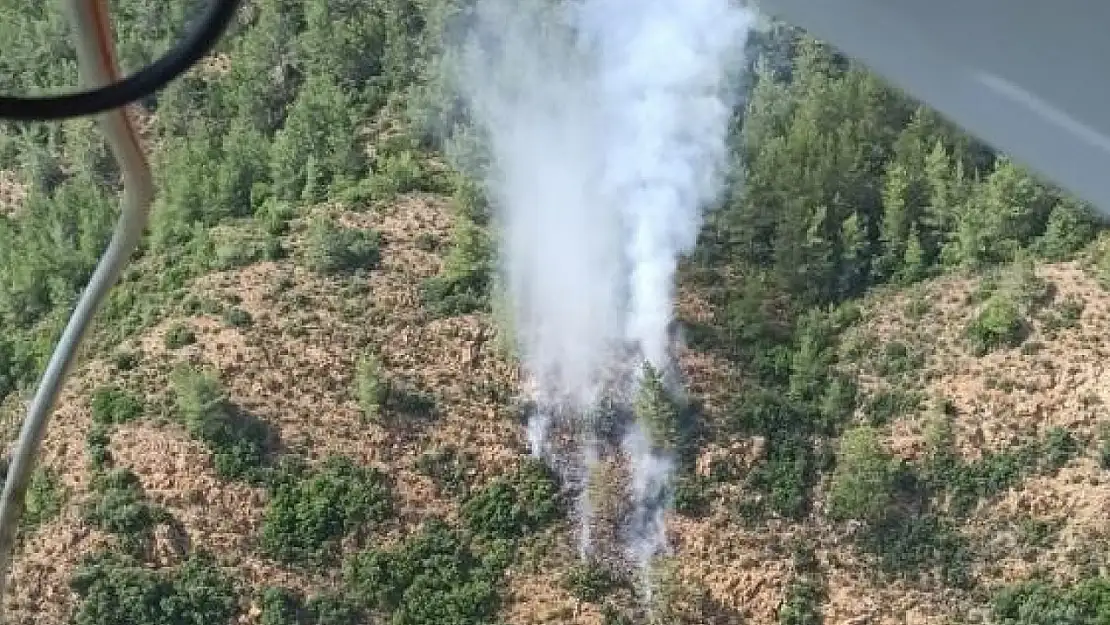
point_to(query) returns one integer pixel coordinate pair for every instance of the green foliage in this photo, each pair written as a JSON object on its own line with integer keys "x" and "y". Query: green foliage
{"x": 238, "y": 318}
{"x": 96, "y": 444}
{"x": 891, "y": 403}
{"x": 111, "y": 404}
{"x": 284, "y": 607}
{"x": 44, "y": 499}
{"x": 657, "y": 411}
{"x": 238, "y": 441}
{"x": 434, "y": 578}
{"x": 179, "y": 335}
{"x": 862, "y": 486}
{"x": 371, "y": 387}
{"x": 1071, "y": 226}
{"x": 998, "y": 323}
{"x": 115, "y": 589}
{"x": 334, "y": 249}
{"x": 449, "y": 468}
{"x": 691, "y": 495}
{"x": 307, "y": 517}
{"x": 515, "y": 506}
{"x": 464, "y": 286}
{"x": 802, "y": 604}
{"x": 590, "y": 581}
{"x": 1038, "y": 603}
{"x": 118, "y": 506}
{"x": 920, "y": 543}
{"x": 1059, "y": 448}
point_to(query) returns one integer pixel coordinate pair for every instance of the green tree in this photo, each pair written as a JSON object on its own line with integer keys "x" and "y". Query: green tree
{"x": 657, "y": 411}
{"x": 862, "y": 485}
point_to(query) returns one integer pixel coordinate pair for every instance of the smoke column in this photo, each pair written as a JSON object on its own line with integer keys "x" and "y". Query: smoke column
{"x": 606, "y": 122}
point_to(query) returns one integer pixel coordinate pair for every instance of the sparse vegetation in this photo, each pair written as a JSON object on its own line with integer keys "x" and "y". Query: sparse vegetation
{"x": 862, "y": 486}
{"x": 997, "y": 324}
{"x": 238, "y": 318}
{"x": 1038, "y": 603}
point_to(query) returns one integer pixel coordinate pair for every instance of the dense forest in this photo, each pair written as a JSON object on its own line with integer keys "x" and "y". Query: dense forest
{"x": 842, "y": 190}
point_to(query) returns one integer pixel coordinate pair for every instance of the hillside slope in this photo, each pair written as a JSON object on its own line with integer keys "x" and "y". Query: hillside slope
{"x": 293, "y": 367}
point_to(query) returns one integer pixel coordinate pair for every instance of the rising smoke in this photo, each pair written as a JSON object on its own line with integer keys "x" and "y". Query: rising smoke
{"x": 606, "y": 121}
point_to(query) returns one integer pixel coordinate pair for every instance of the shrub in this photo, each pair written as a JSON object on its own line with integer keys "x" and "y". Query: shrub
{"x": 44, "y": 498}
{"x": 802, "y": 604}
{"x": 238, "y": 318}
{"x": 96, "y": 444}
{"x": 281, "y": 606}
{"x": 115, "y": 589}
{"x": 114, "y": 405}
{"x": 240, "y": 247}
{"x": 890, "y": 404}
{"x": 371, "y": 386}
{"x": 447, "y": 296}
{"x": 238, "y": 441}
{"x": 997, "y": 324}
{"x": 118, "y": 507}
{"x": 862, "y": 485}
{"x": 435, "y": 578}
{"x": 590, "y": 581}
{"x": 657, "y": 411}
{"x": 179, "y": 335}
{"x": 1059, "y": 447}
{"x": 333, "y": 249}
{"x": 691, "y": 495}
{"x": 919, "y": 543}
{"x": 516, "y": 506}
{"x": 448, "y": 468}
{"x": 307, "y": 517}
{"x": 1038, "y": 603}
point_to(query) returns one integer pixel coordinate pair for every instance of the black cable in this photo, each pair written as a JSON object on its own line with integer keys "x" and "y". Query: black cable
{"x": 199, "y": 42}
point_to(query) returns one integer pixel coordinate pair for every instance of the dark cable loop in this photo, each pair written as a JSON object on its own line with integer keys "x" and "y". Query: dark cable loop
{"x": 199, "y": 42}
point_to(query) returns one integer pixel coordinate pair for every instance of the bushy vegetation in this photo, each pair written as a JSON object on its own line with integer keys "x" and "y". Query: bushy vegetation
{"x": 179, "y": 335}
{"x": 862, "y": 485}
{"x": 371, "y": 386}
{"x": 436, "y": 577}
{"x": 510, "y": 507}
{"x": 238, "y": 441}
{"x": 333, "y": 249}
{"x": 847, "y": 185}
{"x": 309, "y": 515}
{"x": 657, "y": 411}
{"x": 44, "y": 499}
{"x": 285, "y": 607}
{"x": 1038, "y": 603}
{"x": 113, "y": 405}
{"x": 115, "y": 589}
{"x": 590, "y": 581}
{"x": 118, "y": 506}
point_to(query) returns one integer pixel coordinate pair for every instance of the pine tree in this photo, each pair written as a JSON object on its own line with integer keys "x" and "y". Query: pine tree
{"x": 656, "y": 410}
{"x": 914, "y": 263}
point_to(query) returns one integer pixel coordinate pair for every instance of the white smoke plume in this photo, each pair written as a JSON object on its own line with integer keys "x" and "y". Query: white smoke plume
{"x": 607, "y": 122}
